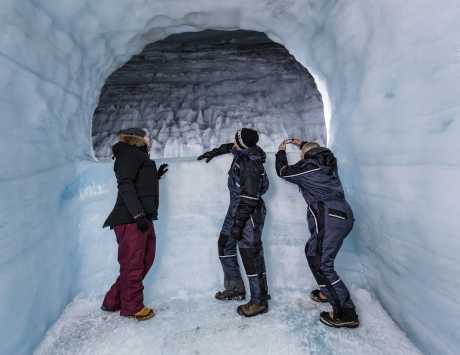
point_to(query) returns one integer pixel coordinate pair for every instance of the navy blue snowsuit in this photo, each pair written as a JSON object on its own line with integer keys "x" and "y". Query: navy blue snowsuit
{"x": 330, "y": 218}
{"x": 247, "y": 182}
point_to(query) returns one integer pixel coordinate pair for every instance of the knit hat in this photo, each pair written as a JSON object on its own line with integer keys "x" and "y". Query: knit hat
{"x": 246, "y": 138}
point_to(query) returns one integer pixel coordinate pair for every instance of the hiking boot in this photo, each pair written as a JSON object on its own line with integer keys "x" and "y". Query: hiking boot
{"x": 348, "y": 319}
{"x": 318, "y": 296}
{"x": 252, "y": 309}
{"x": 230, "y": 295}
{"x": 144, "y": 314}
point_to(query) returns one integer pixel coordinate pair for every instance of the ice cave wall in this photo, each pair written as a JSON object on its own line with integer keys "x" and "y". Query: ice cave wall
{"x": 193, "y": 90}
{"x": 389, "y": 67}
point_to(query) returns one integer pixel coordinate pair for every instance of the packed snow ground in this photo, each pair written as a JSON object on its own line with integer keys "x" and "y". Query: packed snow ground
{"x": 197, "y": 324}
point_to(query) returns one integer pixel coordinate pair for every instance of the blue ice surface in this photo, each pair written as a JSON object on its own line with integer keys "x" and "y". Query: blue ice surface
{"x": 37, "y": 257}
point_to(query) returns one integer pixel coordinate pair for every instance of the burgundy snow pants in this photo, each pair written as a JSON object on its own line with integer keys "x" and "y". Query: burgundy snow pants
{"x": 136, "y": 253}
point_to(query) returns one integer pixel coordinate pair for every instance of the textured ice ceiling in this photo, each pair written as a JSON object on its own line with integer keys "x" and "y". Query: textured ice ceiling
{"x": 194, "y": 90}
{"x": 391, "y": 72}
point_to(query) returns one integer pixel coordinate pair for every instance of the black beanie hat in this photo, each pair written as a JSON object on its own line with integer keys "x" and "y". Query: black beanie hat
{"x": 246, "y": 138}
{"x": 137, "y": 132}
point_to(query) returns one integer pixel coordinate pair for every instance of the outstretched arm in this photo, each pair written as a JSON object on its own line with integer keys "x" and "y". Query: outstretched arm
{"x": 223, "y": 149}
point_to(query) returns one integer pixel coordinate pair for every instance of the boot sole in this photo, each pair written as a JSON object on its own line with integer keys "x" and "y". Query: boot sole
{"x": 350, "y": 325}
{"x": 239, "y": 298}
{"x": 241, "y": 313}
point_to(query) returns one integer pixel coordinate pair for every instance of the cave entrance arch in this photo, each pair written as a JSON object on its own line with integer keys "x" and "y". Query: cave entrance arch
{"x": 192, "y": 90}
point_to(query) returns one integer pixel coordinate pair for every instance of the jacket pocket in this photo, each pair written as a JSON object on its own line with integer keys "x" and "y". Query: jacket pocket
{"x": 337, "y": 214}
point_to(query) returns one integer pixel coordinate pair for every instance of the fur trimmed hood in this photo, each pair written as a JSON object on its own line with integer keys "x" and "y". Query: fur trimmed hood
{"x": 131, "y": 140}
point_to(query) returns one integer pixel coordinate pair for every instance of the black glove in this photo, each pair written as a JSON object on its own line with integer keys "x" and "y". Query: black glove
{"x": 208, "y": 156}
{"x": 143, "y": 224}
{"x": 237, "y": 231}
{"x": 163, "y": 169}
{"x": 223, "y": 149}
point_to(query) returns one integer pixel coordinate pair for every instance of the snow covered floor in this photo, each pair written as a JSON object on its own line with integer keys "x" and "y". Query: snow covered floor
{"x": 199, "y": 324}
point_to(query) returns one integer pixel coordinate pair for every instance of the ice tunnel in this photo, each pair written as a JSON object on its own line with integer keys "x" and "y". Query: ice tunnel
{"x": 387, "y": 72}
{"x": 194, "y": 90}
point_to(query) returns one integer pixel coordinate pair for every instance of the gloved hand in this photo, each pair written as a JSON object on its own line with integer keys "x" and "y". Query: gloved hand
{"x": 163, "y": 169}
{"x": 223, "y": 149}
{"x": 237, "y": 231}
{"x": 143, "y": 224}
{"x": 208, "y": 156}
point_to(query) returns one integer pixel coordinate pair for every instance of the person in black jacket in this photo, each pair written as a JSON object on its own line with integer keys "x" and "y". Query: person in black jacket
{"x": 131, "y": 218}
{"x": 330, "y": 220}
{"x": 244, "y": 222}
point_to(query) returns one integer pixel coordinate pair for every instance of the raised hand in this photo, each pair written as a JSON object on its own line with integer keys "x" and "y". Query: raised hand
{"x": 296, "y": 141}
{"x": 282, "y": 145}
{"x": 208, "y": 156}
{"x": 163, "y": 169}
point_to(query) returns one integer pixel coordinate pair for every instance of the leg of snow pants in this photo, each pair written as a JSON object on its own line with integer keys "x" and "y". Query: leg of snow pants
{"x": 321, "y": 250}
{"x": 252, "y": 254}
{"x": 228, "y": 257}
{"x": 150, "y": 250}
{"x": 136, "y": 253}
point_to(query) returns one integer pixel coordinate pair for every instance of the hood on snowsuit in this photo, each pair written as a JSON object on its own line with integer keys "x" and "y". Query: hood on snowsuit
{"x": 316, "y": 175}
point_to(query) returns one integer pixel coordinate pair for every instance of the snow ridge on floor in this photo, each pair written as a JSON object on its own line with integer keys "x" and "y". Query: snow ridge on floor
{"x": 198, "y": 324}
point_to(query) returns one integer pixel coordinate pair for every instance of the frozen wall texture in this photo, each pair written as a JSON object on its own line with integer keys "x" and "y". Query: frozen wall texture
{"x": 194, "y": 90}
{"x": 390, "y": 69}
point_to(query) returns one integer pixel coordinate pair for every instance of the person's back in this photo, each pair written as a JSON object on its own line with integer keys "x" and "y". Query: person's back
{"x": 138, "y": 188}
{"x": 244, "y": 222}
{"x": 131, "y": 218}
{"x": 247, "y": 166}
{"x": 330, "y": 220}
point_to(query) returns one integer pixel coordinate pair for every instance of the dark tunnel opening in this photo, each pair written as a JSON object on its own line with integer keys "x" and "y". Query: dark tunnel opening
{"x": 193, "y": 90}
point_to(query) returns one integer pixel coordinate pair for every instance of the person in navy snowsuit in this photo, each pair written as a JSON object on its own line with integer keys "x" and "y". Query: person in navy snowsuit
{"x": 244, "y": 222}
{"x": 330, "y": 220}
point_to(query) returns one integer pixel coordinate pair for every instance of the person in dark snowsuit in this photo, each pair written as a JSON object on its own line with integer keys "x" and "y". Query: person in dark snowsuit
{"x": 330, "y": 220}
{"x": 244, "y": 222}
{"x": 131, "y": 218}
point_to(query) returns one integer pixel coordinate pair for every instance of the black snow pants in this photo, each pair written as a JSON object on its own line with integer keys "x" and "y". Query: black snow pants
{"x": 329, "y": 222}
{"x": 251, "y": 251}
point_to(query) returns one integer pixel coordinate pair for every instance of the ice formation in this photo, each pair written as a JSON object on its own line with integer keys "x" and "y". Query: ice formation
{"x": 194, "y": 90}
{"x": 389, "y": 69}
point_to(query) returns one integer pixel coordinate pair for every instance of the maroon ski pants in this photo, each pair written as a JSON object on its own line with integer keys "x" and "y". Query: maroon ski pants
{"x": 136, "y": 253}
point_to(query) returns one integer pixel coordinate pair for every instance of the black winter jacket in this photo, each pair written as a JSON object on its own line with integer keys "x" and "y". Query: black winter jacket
{"x": 138, "y": 187}
{"x": 247, "y": 182}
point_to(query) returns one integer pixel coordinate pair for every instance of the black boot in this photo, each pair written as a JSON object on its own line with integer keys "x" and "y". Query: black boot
{"x": 259, "y": 297}
{"x": 252, "y": 309}
{"x": 230, "y": 295}
{"x": 348, "y": 319}
{"x": 318, "y": 296}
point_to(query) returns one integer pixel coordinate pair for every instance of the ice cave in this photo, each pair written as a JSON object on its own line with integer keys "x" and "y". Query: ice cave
{"x": 374, "y": 80}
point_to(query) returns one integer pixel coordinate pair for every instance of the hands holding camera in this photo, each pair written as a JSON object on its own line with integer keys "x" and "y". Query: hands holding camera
{"x": 296, "y": 141}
